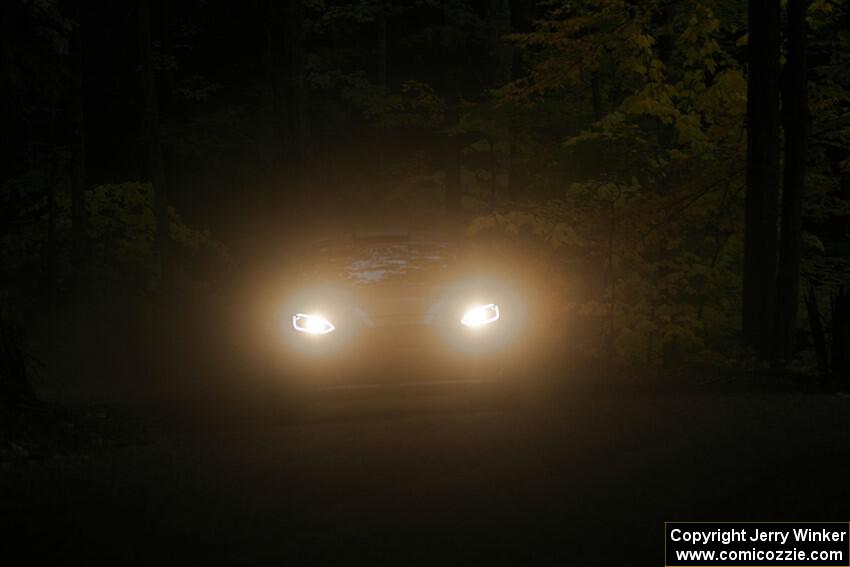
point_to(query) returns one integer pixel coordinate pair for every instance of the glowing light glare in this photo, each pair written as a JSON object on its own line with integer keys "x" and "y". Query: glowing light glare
{"x": 311, "y": 324}
{"x": 481, "y": 315}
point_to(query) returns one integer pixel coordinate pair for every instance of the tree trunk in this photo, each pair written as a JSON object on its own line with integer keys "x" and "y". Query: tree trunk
{"x": 502, "y": 52}
{"x": 284, "y": 29}
{"x": 610, "y": 346}
{"x": 381, "y": 55}
{"x": 296, "y": 97}
{"x": 818, "y": 335}
{"x": 493, "y": 163}
{"x": 154, "y": 143}
{"x": 50, "y": 251}
{"x": 381, "y": 73}
{"x": 11, "y": 154}
{"x": 795, "y": 118}
{"x": 454, "y": 191}
{"x": 666, "y": 133}
{"x": 840, "y": 347}
{"x": 271, "y": 22}
{"x": 761, "y": 238}
{"x": 502, "y": 55}
{"x": 78, "y": 159}
{"x": 596, "y": 93}
{"x": 522, "y": 17}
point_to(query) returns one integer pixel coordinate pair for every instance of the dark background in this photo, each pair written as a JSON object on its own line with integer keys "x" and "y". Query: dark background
{"x": 670, "y": 180}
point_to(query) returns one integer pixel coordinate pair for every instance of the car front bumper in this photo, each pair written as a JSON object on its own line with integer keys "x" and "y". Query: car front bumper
{"x": 397, "y": 354}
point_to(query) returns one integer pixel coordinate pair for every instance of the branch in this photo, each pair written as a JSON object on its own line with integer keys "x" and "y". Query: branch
{"x": 690, "y": 200}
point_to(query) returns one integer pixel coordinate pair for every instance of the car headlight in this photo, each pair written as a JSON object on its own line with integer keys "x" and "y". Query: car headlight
{"x": 311, "y": 324}
{"x": 481, "y": 315}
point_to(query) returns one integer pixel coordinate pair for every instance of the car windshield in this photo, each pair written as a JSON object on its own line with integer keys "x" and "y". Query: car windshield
{"x": 386, "y": 262}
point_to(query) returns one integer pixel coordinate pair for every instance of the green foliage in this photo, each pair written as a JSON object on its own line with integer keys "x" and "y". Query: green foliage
{"x": 121, "y": 238}
{"x": 630, "y": 130}
{"x": 17, "y": 364}
{"x": 827, "y": 205}
{"x": 671, "y": 287}
{"x": 643, "y": 248}
{"x": 414, "y": 104}
{"x": 606, "y": 150}
{"x": 122, "y": 230}
{"x": 669, "y": 113}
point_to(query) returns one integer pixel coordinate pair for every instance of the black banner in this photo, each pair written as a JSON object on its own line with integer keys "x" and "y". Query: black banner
{"x": 757, "y": 544}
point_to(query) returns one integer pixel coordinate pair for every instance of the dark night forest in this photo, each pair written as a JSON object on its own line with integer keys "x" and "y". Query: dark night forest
{"x": 667, "y": 180}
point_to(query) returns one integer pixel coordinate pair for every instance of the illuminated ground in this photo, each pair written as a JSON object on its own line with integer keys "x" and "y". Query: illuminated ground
{"x": 436, "y": 480}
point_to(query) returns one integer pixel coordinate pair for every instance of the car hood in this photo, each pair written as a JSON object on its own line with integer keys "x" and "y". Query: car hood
{"x": 389, "y": 282}
{"x": 394, "y": 265}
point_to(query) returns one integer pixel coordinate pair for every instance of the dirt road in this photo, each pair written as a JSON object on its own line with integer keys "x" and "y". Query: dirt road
{"x": 587, "y": 479}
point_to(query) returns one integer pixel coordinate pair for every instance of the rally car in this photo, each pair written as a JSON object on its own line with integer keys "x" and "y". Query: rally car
{"x": 384, "y": 308}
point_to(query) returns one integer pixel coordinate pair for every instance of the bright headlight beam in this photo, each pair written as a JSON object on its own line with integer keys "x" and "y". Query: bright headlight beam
{"x": 481, "y": 315}
{"x": 311, "y": 324}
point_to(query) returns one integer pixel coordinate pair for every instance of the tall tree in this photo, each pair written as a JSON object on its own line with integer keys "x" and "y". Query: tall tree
{"x": 763, "y": 174}
{"x": 286, "y": 78}
{"x": 522, "y": 16}
{"x": 78, "y": 153}
{"x": 153, "y": 137}
{"x": 295, "y": 87}
{"x": 795, "y": 120}
{"x": 452, "y": 159}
